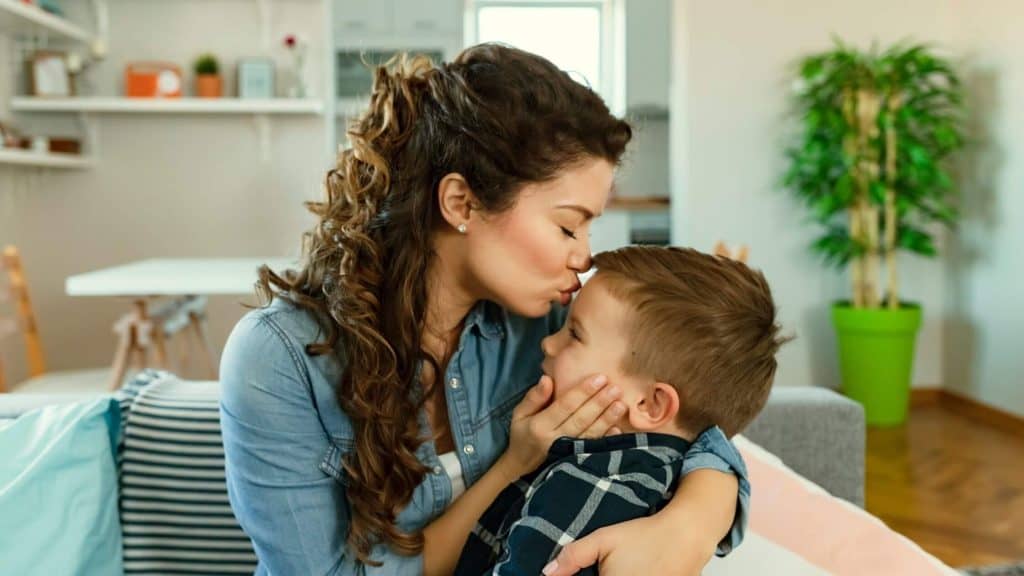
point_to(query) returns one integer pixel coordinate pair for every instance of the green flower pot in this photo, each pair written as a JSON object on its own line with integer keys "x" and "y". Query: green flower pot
{"x": 876, "y": 358}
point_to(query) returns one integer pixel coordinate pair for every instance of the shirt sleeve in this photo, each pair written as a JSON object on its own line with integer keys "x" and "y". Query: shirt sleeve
{"x": 276, "y": 452}
{"x": 713, "y": 450}
{"x": 570, "y": 504}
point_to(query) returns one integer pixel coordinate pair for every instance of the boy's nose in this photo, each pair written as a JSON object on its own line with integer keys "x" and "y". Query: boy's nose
{"x": 547, "y": 345}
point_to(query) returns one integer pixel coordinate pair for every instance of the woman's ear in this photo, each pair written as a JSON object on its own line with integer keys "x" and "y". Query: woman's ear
{"x": 456, "y": 200}
{"x": 655, "y": 409}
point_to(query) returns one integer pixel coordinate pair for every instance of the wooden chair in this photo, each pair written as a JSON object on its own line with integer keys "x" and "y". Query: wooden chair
{"x": 184, "y": 321}
{"x": 139, "y": 332}
{"x": 740, "y": 254}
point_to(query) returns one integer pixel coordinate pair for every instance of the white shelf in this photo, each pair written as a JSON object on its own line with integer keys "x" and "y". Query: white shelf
{"x": 43, "y": 160}
{"x": 18, "y": 19}
{"x": 168, "y": 105}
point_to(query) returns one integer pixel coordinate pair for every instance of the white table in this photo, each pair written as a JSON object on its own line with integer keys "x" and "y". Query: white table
{"x": 187, "y": 282}
{"x": 174, "y": 277}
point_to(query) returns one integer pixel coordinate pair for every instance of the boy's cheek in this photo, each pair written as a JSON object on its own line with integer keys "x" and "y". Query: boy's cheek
{"x": 565, "y": 380}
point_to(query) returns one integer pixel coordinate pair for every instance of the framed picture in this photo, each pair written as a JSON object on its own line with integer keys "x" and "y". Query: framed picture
{"x": 255, "y": 78}
{"x": 48, "y": 74}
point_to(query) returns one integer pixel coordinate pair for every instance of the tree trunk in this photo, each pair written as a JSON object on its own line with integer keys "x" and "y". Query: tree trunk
{"x": 857, "y": 262}
{"x": 892, "y": 292}
{"x": 868, "y": 170}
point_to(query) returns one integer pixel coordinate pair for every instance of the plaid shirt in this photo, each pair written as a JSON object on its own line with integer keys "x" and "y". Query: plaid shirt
{"x": 584, "y": 485}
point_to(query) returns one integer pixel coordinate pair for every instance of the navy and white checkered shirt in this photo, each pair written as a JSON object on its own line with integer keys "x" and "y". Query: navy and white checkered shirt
{"x": 584, "y": 485}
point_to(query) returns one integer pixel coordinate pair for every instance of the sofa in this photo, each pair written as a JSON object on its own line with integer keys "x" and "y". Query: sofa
{"x": 815, "y": 431}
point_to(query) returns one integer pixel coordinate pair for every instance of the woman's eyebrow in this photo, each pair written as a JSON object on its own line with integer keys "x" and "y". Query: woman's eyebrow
{"x": 587, "y": 214}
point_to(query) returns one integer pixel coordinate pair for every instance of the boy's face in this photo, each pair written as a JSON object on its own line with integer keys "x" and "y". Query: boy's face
{"x": 593, "y": 339}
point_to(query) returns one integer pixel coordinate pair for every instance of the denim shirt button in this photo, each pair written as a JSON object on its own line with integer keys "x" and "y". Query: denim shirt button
{"x": 469, "y": 449}
{"x": 438, "y": 469}
{"x": 454, "y": 383}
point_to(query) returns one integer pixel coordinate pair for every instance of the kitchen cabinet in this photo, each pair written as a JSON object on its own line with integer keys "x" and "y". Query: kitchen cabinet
{"x": 393, "y": 20}
{"x": 648, "y": 50}
{"x": 419, "y": 17}
{"x": 363, "y": 17}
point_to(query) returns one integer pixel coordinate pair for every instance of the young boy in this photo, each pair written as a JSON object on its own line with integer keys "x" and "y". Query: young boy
{"x": 690, "y": 339}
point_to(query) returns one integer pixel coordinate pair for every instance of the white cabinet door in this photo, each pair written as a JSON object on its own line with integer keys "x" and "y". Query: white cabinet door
{"x": 420, "y": 17}
{"x": 363, "y": 17}
{"x": 648, "y": 46}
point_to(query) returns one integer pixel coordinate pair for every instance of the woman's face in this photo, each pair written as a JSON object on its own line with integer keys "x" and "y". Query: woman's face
{"x": 528, "y": 256}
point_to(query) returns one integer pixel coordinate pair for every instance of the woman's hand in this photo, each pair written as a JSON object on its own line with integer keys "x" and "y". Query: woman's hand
{"x": 642, "y": 546}
{"x": 589, "y": 410}
{"x": 677, "y": 541}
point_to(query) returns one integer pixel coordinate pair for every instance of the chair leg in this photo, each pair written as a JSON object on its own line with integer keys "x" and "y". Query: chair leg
{"x": 184, "y": 358}
{"x": 124, "y": 349}
{"x": 207, "y": 351}
{"x": 160, "y": 348}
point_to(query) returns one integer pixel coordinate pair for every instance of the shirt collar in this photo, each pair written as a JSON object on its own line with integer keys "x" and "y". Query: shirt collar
{"x": 489, "y": 319}
{"x": 566, "y": 446}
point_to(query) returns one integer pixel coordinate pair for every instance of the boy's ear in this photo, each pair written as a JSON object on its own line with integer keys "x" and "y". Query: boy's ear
{"x": 655, "y": 409}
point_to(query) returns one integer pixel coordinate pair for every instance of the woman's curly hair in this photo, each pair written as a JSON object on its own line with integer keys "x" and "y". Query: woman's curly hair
{"x": 501, "y": 118}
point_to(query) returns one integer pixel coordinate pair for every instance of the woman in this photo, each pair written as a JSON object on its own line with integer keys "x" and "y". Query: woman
{"x": 394, "y": 370}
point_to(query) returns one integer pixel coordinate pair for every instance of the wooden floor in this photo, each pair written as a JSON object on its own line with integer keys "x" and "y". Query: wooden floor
{"x": 951, "y": 483}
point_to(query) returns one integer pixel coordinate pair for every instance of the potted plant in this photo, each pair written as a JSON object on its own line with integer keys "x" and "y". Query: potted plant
{"x": 871, "y": 164}
{"x": 208, "y": 80}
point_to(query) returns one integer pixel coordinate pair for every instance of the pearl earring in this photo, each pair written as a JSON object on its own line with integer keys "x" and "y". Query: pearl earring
{"x": 462, "y": 228}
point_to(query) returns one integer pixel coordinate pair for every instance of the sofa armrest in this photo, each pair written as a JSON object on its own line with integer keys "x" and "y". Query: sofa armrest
{"x": 819, "y": 434}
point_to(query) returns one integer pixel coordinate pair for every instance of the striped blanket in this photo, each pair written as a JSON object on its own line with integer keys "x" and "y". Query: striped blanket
{"x": 175, "y": 514}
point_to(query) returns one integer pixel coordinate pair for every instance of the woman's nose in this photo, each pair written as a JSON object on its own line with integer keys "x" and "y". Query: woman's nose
{"x": 579, "y": 260}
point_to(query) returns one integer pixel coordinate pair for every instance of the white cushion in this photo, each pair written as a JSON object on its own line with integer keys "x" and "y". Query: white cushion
{"x": 86, "y": 382}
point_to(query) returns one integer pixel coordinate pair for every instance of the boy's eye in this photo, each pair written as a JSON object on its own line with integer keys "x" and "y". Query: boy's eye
{"x": 575, "y": 336}
{"x": 568, "y": 232}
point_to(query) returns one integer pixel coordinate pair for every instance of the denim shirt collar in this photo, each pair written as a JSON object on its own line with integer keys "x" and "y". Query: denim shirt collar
{"x": 488, "y": 318}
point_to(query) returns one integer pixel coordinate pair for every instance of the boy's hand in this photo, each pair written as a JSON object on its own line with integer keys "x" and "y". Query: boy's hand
{"x": 589, "y": 410}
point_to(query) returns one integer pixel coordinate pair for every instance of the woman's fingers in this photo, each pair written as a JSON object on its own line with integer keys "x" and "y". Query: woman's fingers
{"x": 605, "y": 425}
{"x": 589, "y": 411}
{"x": 563, "y": 408}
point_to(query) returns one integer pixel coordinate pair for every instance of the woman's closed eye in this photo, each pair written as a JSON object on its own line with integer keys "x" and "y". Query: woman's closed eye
{"x": 567, "y": 232}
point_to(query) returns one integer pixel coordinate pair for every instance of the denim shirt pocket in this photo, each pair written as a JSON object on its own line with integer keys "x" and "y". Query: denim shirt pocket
{"x": 331, "y": 463}
{"x": 498, "y": 422}
{"x": 416, "y": 512}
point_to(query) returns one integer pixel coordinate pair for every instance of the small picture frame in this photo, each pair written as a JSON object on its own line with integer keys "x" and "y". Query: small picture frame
{"x": 49, "y": 75}
{"x": 255, "y": 78}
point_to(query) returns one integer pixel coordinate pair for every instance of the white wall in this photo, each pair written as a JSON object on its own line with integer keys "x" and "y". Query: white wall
{"x": 732, "y": 67}
{"x": 986, "y": 269}
{"x": 164, "y": 186}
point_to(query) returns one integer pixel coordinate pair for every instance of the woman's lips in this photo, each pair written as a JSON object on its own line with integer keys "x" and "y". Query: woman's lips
{"x": 565, "y": 296}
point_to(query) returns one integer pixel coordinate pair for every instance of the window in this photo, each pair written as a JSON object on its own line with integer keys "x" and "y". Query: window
{"x": 579, "y": 36}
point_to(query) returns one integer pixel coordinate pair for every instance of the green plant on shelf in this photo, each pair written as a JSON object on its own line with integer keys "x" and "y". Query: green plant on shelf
{"x": 207, "y": 64}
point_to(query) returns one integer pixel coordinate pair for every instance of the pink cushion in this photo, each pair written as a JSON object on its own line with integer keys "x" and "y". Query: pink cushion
{"x": 828, "y": 532}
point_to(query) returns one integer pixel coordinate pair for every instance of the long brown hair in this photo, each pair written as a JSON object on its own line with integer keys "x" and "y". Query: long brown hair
{"x": 501, "y": 118}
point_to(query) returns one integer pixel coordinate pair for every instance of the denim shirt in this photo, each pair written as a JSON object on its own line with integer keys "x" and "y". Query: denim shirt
{"x": 285, "y": 435}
